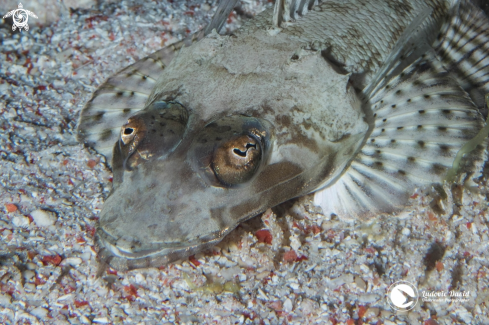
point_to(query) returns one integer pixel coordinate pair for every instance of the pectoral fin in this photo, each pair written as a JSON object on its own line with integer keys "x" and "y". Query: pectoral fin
{"x": 421, "y": 120}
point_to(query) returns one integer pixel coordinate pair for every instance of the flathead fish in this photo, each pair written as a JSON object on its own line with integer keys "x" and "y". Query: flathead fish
{"x": 357, "y": 101}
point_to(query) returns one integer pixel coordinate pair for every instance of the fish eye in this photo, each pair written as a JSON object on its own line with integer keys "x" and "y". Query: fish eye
{"x": 127, "y": 134}
{"x": 152, "y": 133}
{"x": 235, "y": 161}
{"x": 230, "y": 151}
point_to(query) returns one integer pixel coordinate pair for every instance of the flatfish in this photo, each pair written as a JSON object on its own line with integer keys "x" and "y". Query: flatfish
{"x": 359, "y": 102}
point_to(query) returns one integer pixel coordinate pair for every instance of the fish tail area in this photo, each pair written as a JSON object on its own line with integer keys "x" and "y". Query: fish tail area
{"x": 463, "y": 48}
{"x": 421, "y": 119}
{"x": 121, "y": 96}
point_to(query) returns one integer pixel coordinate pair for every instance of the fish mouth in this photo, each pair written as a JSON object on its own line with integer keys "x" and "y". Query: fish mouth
{"x": 154, "y": 255}
{"x": 124, "y": 252}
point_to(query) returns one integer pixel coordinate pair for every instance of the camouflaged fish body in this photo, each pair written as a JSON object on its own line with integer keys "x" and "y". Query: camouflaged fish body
{"x": 353, "y": 100}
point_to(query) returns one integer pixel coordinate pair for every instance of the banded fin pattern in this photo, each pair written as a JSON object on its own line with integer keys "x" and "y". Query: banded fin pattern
{"x": 463, "y": 48}
{"x": 121, "y": 96}
{"x": 421, "y": 120}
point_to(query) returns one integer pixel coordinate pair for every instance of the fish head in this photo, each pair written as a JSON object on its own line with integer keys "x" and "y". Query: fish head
{"x": 174, "y": 196}
{"x": 190, "y": 167}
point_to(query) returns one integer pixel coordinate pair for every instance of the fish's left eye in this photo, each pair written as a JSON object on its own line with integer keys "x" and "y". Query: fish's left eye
{"x": 236, "y": 160}
{"x": 127, "y": 134}
{"x": 152, "y": 133}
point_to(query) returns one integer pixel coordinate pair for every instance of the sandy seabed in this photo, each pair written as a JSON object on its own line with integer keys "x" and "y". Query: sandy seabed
{"x": 291, "y": 266}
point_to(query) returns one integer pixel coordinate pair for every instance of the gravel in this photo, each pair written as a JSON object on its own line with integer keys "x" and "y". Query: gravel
{"x": 290, "y": 265}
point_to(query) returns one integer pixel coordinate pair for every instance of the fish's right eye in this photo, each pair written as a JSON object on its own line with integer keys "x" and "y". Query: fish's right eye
{"x": 229, "y": 152}
{"x": 236, "y": 161}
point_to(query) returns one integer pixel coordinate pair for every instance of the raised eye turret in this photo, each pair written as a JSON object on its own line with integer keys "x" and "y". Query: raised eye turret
{"x": 152, "y": 133}
{"x": 236, "y": 160}
{"x": 230, "y": 151}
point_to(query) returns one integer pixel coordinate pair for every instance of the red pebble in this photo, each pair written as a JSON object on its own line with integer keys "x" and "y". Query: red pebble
{"x": 80, "y": 303}
{"x": 193, "y": 260}
{"x": 439, "y": 266}
{"x": 131, "y": 292}
{"x": 290, "y": 256}
{"x": 55, "y": 260}
{"x": 91, "y": 163}
{"x": 91, "y": 230}
{"x": 361, "y": 311}
{"x": 264, "y": 236}
{"x": 10, "y": 207}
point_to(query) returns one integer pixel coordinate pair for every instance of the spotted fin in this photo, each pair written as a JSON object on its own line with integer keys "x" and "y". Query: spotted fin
{"x": 463, "y": 48}
{"x": 421, "y": 119}
{"x": 121, "y": 96}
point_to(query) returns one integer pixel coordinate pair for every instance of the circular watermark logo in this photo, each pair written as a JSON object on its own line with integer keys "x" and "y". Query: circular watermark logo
{"x": 402, "y": 296}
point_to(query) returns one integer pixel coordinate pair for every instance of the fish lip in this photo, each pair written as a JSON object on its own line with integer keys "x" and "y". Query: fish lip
{"x": 107, "y": 241}
{"x": 119, "y": 252}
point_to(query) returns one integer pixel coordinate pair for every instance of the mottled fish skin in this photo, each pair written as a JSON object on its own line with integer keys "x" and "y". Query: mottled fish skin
{"x": 328, "y": 102}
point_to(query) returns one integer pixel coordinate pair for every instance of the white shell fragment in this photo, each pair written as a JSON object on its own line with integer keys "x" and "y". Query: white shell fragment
{"x": 73, "y": 261}
{"x": 40, "y": 312}
{"x": 43, "y": 218}
{"x": 21, "y": 222}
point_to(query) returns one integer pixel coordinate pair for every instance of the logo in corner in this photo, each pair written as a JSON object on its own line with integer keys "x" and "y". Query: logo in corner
{"x": 402, "y": 296}
{"x": 20, "y": 17}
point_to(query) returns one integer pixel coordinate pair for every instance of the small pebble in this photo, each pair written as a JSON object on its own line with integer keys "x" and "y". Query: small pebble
{"x": 43, "y": 218}
{"x": 287, "y": 305}
{"x": 40, "y": 312}
{"x": 22, "y": 222}
{"x": 73, "y": 261}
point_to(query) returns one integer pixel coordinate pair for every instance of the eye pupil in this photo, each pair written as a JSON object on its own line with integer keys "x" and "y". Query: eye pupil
{"x": 243, "y": 153}
{"x": 239, "y": 152}
{"x": 128, "y": 131}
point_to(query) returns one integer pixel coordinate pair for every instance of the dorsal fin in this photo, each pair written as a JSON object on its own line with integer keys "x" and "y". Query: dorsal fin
{"x": 285, "y": 10}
